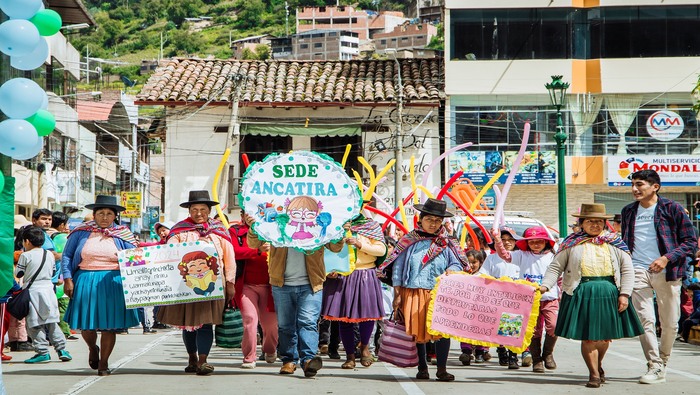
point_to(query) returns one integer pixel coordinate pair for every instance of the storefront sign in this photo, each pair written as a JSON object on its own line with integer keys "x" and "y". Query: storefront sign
{"x": 674, "y": 170}
{"x": 484, "y": 311}
{"x": 665, "y": 125}
{"x": 171, "y": 274}
{"x": 537, "y": 167}
{"x": 132, "y": 202}
{"x": 300, "y": 199}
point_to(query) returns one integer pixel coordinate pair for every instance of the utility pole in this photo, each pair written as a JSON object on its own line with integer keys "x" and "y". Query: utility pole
{"x": 87, "y": 63}
{"x": 286, "y": 19}
{"x": 234, "y": 133}
{"x": 160, "y": 54}
{"x": 398, "y": 149}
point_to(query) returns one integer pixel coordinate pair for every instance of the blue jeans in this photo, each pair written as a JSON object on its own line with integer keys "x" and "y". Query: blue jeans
{"x": 298, "y": 309}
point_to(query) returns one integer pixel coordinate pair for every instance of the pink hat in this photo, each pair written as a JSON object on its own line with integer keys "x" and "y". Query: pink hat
{"x": 535, "y": 232}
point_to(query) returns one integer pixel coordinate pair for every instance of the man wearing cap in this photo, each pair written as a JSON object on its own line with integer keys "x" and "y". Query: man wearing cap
{"x": 660, "y": 236}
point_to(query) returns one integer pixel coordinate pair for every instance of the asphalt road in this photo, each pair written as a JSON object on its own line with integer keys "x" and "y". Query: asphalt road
{"x": 153, "y": 364}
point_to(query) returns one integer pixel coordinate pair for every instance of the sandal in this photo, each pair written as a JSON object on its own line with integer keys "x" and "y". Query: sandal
{"x": 366, "y": 361}
{"x": 191, "y": 369}
{"x": 593, "y": 382}
{"x": 601, "y": 372}
{"x": 94, "y": 362}
{"x": 444, "y": 376}
{"x": 423, "y": 375}
{"x": 348, "y": 365}
{"x": 105, "y": 372}
{"x": 205, "y": 369}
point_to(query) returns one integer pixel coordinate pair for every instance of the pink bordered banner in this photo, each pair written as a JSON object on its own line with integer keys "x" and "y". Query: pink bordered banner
{"x": 484, "y": 311}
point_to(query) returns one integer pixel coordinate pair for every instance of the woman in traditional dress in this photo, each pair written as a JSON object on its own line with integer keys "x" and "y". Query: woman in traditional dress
{"x": 94, "y": 283}
{"x": 597, "y": 283}
{"x": 420, "y": 257}
{"x": 357, "y": 297}
{"x": 196, "y": 319}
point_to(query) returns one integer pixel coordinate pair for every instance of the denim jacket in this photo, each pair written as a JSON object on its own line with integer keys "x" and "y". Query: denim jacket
{"x": 409, "y": 271}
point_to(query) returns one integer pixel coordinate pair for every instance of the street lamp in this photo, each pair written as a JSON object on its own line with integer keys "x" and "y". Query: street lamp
{"x": 557, "y": 95}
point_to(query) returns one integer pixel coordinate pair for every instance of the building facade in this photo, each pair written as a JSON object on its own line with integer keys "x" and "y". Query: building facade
{"x": 406, "y": 36}
{"x": 631, "y": 65}
{"x": 363, "y": 23}
{"x": 325, "y": 45}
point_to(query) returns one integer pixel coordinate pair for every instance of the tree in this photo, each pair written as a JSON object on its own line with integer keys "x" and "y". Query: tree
{"x": 250, "y": 14}
{"x": 262, "y": 52}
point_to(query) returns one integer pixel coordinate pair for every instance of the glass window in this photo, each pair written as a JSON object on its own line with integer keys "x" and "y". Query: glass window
{"x": 85, "y": 173}
{"x": 318, "y": 45}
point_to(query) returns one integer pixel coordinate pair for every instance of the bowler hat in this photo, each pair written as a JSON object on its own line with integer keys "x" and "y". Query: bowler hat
{"x": 434, "y": 207}
{"x": 592, "y": 210}
{"x": 105, "y": 201}
{"x": 198, "y": 197}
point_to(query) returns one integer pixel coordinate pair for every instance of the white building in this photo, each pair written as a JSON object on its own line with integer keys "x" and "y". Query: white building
{"x": 626, "y": 60}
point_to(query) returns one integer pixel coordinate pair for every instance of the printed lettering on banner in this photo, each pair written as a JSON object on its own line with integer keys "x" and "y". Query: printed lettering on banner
{"x": 171, "y": 274}
{"x": 484, "y": 311}
{"x": 299, "y": 200}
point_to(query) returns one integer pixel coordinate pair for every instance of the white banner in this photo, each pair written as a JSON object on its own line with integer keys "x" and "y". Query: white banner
{"x": 674, "y": 170}
{"x": 171, "y": 274}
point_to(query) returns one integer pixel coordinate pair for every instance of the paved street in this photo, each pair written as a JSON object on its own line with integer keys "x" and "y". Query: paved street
{"x": 154, "y": 365}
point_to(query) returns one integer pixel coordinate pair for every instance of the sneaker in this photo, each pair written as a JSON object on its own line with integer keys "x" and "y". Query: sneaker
{"x": 72, "y": 337}
{"x": 479, "y": 356}
{"x": 656, "y": 374}
{"x": 527, "y": 359}
{"x": 64, "y": 356}
{"x": 270, "y": 358}
{"x": 6, "y": 357}
{"x": 248, "y": 365}
{"x": 39, "y": 358}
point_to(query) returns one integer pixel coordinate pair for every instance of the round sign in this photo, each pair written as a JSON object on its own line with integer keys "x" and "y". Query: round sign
{"x": 665, "y": 125}
{"x": 300, "y": 199}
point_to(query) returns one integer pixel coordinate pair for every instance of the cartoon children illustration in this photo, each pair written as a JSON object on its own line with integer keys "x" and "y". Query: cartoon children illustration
{"x": 199, "y": 271}
{"x": 302, "y": 211}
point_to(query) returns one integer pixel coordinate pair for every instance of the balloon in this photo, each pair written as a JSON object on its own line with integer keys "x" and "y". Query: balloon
{"x": 20, "y": 9}
{"x": 47, "y": 21}
{"x": 31, "y": 152}
{"x": 34, "y": 59}
{"x": 437, "y": 160}
{"x": 18, "y": 37}
{"x": 59, "y": 289}
{"x": 59, "y": 241}
{"x": 45, "y": 103}
{"x": 513, "y": 171}
{"x": 43, "y": 121}
{"x": 20, "y": 98}
{"x": 2, "y": 181}
{"x": 17, "y": 137}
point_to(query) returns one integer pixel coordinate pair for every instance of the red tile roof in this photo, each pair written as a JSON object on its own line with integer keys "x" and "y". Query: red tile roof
{"x": 90, "y": 110}
{"x": 181, "y": 81}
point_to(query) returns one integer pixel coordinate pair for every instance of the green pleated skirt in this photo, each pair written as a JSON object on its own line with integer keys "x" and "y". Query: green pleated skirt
{"x": 591, "y": 313}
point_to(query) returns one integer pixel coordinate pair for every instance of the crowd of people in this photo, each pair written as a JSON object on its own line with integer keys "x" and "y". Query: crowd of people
{"x": 614, "y": 277}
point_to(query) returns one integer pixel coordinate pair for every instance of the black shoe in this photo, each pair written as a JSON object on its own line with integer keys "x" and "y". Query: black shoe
{"x": 513, "y": 360}
{"x": 502, "y": 356}
{"x": 149, "y": 331}
{"x": 333, "y": 354}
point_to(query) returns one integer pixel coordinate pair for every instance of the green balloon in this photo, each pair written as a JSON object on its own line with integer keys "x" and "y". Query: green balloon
{"x": 2, "y": 181}
{"x": 59, "y": 291}
{"x": 43, "y": 121}
{"x": 48, "y": 22}
{"x": 59, "y": 241}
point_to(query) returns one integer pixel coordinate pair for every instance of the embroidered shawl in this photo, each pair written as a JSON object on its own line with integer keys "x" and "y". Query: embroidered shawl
{"x": 118, "y": 231}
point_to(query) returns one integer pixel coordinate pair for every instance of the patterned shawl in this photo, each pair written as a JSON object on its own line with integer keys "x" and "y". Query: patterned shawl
{"x": 119, "y": 231}
{"x": 367, "y": 228}
{"x": 441, "y": 241}
{"x": 581, "y": 237}
{"x": 205, "y": 229}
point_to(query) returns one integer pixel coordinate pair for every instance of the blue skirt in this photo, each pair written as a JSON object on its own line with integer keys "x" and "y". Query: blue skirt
{"x": 98, "y": 302}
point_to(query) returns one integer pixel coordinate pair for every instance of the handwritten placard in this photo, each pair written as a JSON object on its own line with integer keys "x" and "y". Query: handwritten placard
{"x": 171, "y": 274}
{"x": 299, "y": 200}
{"x": 484, "y": 311}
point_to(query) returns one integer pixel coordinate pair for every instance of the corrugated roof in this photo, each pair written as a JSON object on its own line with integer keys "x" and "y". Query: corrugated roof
{"x": 181, "y": 81}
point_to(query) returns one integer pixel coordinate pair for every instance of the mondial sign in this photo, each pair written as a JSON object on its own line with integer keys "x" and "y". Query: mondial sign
{"x": 674, "y": 170}
{"x": 665, "y": 125}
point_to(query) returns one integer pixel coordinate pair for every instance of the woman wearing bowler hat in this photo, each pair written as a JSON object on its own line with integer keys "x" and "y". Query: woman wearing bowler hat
{"x": 534, "y": 255}
{"x": 94, "y": 283}
{"x": 419, "y": 258}
{"x": 598, "y": 278}
{"x": 196, "y": 318}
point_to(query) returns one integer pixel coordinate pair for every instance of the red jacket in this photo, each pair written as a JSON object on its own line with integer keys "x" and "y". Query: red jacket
{"x": 254, "y": 264}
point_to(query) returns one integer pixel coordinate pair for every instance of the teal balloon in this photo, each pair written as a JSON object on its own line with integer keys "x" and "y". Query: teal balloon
{"x": 48, "y": 22}
{"x": 2, "y": 181}
{"x": 34, "y": 59}
{"x": 59, "y": 291}
{"x": 31, "y": 152}
{"x": 59, "y": 241}
{"x": 43, "y": 121}
{"x": 20, "y": 98}
{"x": 17, "y": 138}
{"x": 18, "y": 37}
{"x": 20, "y": 9}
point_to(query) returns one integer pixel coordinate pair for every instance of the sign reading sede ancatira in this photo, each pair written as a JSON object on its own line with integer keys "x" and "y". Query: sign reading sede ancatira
{"x": 171, "y": 274}
{"x": 484, "y": 311}
{"x": 300, "y": 199}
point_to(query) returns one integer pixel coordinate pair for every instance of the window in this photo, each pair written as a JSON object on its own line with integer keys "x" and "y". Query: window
{"x": 318, "y": 45}
{"x": 71, "y": 153}
{"x": 383, "y": 42}
{"x": 332, "y": 34}
{"x": 85, "y": 173}
{"x": 304, "y": 46}
{"x": 221, "y": 129}
{"x": 393, "y": 40}
{"x": 54, "y": 150}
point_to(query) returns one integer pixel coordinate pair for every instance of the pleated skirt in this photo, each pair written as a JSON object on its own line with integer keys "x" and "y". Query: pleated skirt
{"x": 353, "y": 298}
{"x": 98, "y": 302}
{"x": 591, "y": 313}
{"x": 414, "y": 307}
{"x": 191, "y": 316}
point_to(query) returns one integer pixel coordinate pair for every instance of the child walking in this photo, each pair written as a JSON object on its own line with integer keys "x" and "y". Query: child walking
{"x": 38, "y": 268}
{"x": 535, "y": 255}
{"x": 481, "y": 354}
